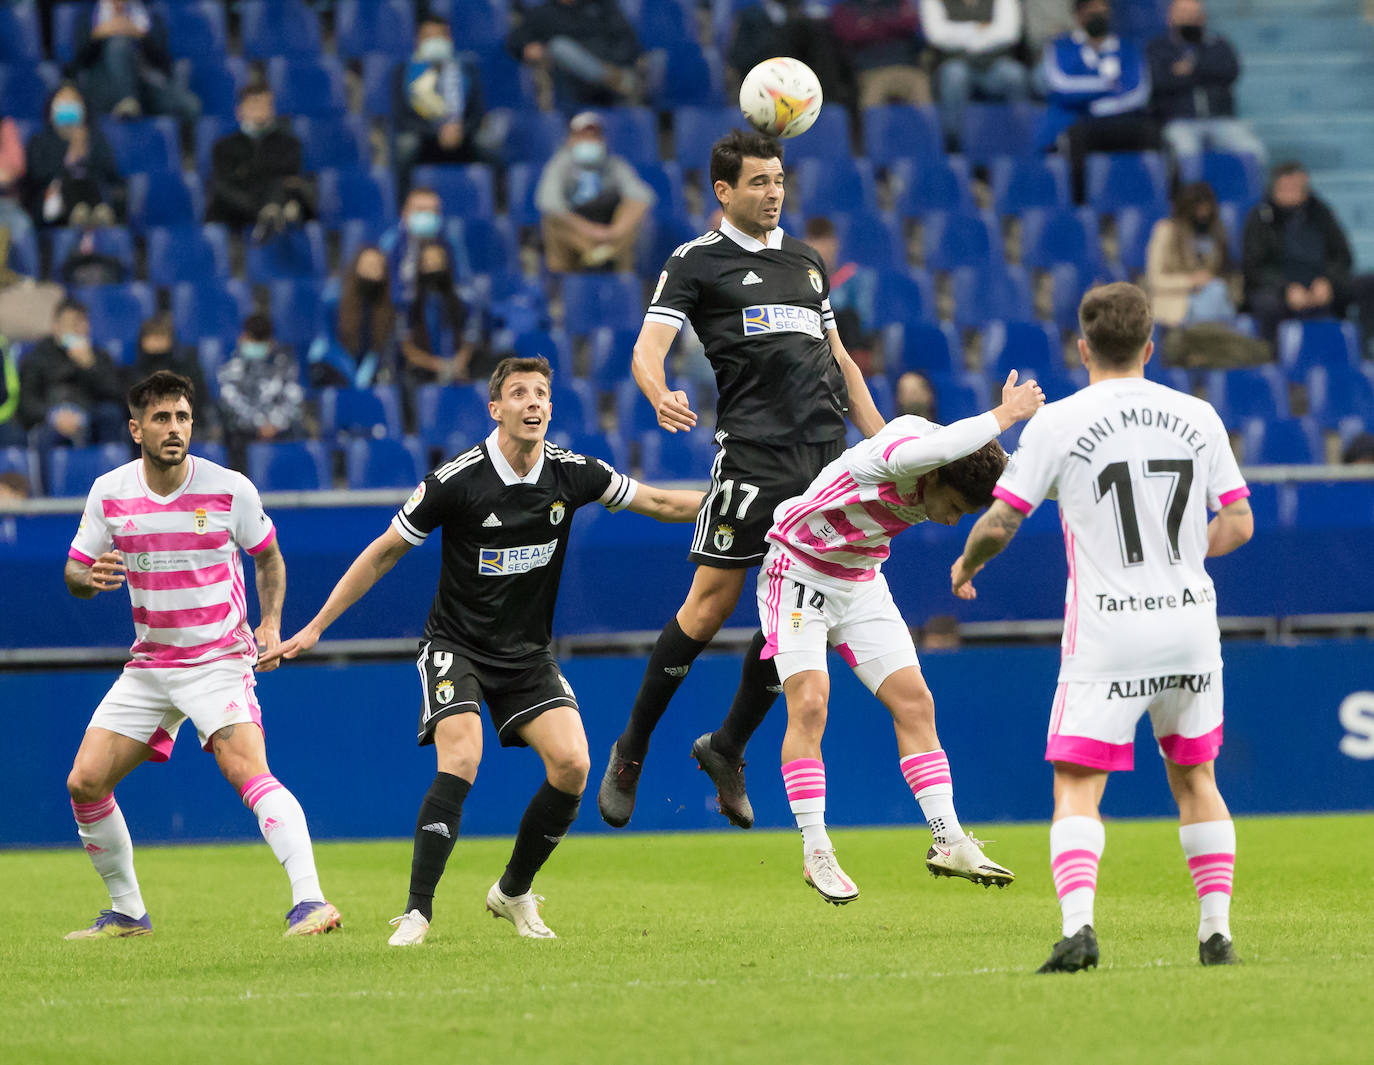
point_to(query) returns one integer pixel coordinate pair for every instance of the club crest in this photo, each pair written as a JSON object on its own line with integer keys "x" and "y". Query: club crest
{"x": 556, "y": 511}
{"x": 724, "y": 537}
{"x": 814, "y": 276}
{"x": 202, "y": 521}
{"x": 443, "y": 692}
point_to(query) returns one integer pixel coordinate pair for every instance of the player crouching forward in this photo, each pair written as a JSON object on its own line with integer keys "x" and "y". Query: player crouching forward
{"x": 822, "y": 583}
{"x": 505, "y": 507}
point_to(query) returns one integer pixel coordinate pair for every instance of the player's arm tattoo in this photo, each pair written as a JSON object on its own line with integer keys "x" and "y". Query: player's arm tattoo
{"x": 269, "y": 571}
{"x": 991, "y": 534}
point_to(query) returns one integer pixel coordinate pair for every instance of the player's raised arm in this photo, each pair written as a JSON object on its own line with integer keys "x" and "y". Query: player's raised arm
{"x": 105, "y": 574}
{"x": 367, "y": 569}
{"x": 666, "y": 504}
{"x": 863, "y": 412}
{"x": 990, "y": 534}
{"x": 1232, "y": 526}
{"x": 674, "y": 410}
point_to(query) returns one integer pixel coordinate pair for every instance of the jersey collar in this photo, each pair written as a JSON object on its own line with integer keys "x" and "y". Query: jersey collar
{"x": 505, "y": 470}
{"x": 748, "y": 243}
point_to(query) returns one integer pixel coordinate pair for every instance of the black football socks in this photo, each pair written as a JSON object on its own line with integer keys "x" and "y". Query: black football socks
{"x": 436, "y": 831}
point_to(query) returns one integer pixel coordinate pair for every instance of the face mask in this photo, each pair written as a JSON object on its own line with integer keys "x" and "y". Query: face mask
{"x": 1097, "y": 26}
{"x": 422, "y": 223}
{"x": 254, "y": 349}
{"x": 434, "y": 50}
{"x": 589, "y": 153}
{"x": 436, "y": 278}
{"x": 255, "y": 129}
{"x": 67, "y": 113}
{"x": 1202, "y": 225}
{"x": 1191, "y": 34}
{"x": 72, "y": 340}
{"x": 370, "y": 290}
{"x": 146, "y": 352}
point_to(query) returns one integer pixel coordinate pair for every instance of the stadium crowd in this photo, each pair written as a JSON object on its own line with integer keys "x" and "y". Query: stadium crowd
{"x": 337, "y": 216}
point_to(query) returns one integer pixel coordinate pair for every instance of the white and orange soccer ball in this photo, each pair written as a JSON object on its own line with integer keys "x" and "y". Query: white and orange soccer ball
{"x": 781, "y": 97}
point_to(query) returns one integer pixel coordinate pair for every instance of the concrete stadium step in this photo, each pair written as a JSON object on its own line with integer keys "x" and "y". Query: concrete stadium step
{"x": 1260, "y": 96}
{"x": 1333, "y": 142}
{"x": 1298, "y": 34}
{"x": 1223, "y": 11}
{"x": 1325, "y": 67}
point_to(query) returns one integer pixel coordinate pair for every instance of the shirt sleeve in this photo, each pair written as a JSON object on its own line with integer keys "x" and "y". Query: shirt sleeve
{"x": 93, "y": 537}
{"x": 677, "y": 292}
{"x": 252, "y": 528}
{"x": 1031, "y": 475}
{"x": 548, "y": 193}
{"x": 422, "y": 513}
{"x": 1225, "y": 484}
{"x": 914, "y": 446}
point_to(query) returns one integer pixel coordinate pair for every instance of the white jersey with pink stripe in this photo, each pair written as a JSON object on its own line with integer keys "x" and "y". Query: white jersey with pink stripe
{"x": 1135, "y": 467}
{"x": 840, "y": 526}
{"x": 181, "y": 554}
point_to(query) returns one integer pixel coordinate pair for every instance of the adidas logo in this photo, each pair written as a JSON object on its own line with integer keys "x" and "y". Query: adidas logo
{"x": 676, "y": 671}
{"x": 752, "y": 278}
{"x": 491, "y": 522}
{"x": 129, "y": 527}
{"x": 438, "y": 827}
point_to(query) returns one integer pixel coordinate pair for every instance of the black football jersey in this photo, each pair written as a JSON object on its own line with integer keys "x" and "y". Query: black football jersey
{"x": 762, "y": 316}
{"x": 504, "y": 540}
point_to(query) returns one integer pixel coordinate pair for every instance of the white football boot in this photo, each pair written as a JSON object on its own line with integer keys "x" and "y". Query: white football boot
{"x": 966, "y": 859}
{"x": 411, "y": 929}
{"x": 822, "y": 872}
{"x": 521, "y": 911}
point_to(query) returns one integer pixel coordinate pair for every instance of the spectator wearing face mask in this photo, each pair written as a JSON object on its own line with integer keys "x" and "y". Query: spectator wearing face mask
{"x": 158, "y": 350}
{"x": 1193, "y": 72}
{"x": 422, "y": 219}
{"x": 261, "y": 398}
{"x": 256, "y": 178}
{"x": 437, "y": 102}
{"x": 71, "y": 391}
{"x": 123, "y": 66}
{"x": 591, "y": 203}
{"x": 441, "y": 342}
{"x": 359, "y": 348}
{"x": 1188, "y": 270}
{"x": 72, "y": 178}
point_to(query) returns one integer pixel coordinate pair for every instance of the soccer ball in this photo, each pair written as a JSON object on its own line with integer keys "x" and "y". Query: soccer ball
{"x": 781, "y": 97}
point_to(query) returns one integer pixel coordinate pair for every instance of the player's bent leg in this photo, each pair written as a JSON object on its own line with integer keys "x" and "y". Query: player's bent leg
{"x": 1208, "y": 837}
{"x": 242, "y": 756}
{"x": 1077, "y": 839}
{"x": 102, "y": 761}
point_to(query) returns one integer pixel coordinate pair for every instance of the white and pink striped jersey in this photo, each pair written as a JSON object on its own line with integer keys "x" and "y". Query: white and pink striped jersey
{"x": 840, "y": 526}
{"x": 181, "y": 554}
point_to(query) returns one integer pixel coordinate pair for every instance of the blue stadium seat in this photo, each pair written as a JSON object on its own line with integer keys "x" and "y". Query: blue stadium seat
{"x": 836, "y": 186}
{"x": 354, "y": 193}
{"x": 687, "y": 77}
{"x": 1319, "y": 342}
{"x": 1050, "y": 236}
{"x": 1239, "y": 395}
{"x": 904, "y": 297}
{"x": 936, "y": 185}
{"x": 675, "y": 457}
{"x": 1282, "y": 441}
{"x": 290, "y": 466}
{"x": 994, "y": 130}
{"x": 25, "y": 89}
{"x": 1133, "y": 228}
{"x": 1067, "y": 285}
{"x": 634, "y": 416}
{"x": 386, "y": 26}
{"x": 521, "y": 181}
{"x": 666, "y": 181}
{"x": 893, "y": 133}
{"x": 209, "y": 130}
{"x": 1027, "y": 346}
{"x": 195, "y": 29}
{"x": 142, "y": 145}
{"x": 295, "y": 252}
{"x": 552, "y": 344}
{"x": 609, "y": 354}
{"x": 958, "y": 396}
{"x": 1337, "y": 392}
{"x": 662, "y": 24}
{"x": 668, "y": 231}
{"x": 307, "y": 87}
{"x": 21, "y": 35}
{"x": 360, "y": 412}
{"x": 574, "y": 405}
{"x": 1127, "y": 179}
{"x": 954, "y": 240}
{"x": 113, "y": 241}
{"x": 990, "y": 294}
{"x": 67, "y": 20}
{"x": 216, "y": 81}
{"x": 504, "y": 79}
{"x": 23, "y": 256}
{"x": 466, "y": 191}
{"x": 274, "y": 28}
{"x": 1020, "y": 183}
{"x": 452, "y": 412}
{"x": 332, "y": 141}
{"x": 695, "y": 129}
{"x": 211, "y": 353}
{"x": 165, "y": 198}
{"x": 70, "y": 470}
{"x": 491, "y": 244}
{"x": 117, "y": 311}
{"x": 869, "y": 239}
{"x": 632, "y": 133}
{"x": 385, "y": 463}
{"x": 533, "y": 138}
{"x": 826, "y": 139}
{"x": 930, "y": 347}
{"x": 297, "y": 313}
{"x": 211, "y": 309}
{"x": 594, "y": 300}
{"x": 377, "y": 85}
{"x": 1235, "y": 177}
{"x": 477, "y": 23}
{"x": 880, "y": 388}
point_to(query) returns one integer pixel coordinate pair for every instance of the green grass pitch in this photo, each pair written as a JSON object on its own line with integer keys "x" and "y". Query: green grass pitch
{"x": 701, "y": 948}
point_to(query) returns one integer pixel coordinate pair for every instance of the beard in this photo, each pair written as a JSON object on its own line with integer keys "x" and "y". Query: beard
{"x": 159, "y": 463}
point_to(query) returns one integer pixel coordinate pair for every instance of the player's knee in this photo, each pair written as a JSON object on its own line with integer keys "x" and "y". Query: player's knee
{"x": 806, "y": 711}
{"x": 567, "y": 770}
{"x": 84, "y": 786}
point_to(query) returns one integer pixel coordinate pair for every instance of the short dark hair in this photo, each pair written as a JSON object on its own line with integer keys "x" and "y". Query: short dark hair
{"x": 728, "y": 153}
{"x": 818, "y": 227}
{"x": 161, "y": 384}
{"x": 1286, "y": 168}
{"x": 1116, "y": 322}
{"x": 258, "y": 326}
{"x": 975, "y": 476}
{"x": 160, "y": 324}
{"x": 254, "y": 88}
{"x": 70, "y": 305}
{"x": 506, "y": 367}
{"x": 431, "y": 19}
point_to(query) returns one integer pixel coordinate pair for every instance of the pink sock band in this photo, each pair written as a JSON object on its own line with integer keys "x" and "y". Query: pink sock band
{"x": 804, "y": 778}
{"x": 1074, "y": 869}
{"x": 88, "y": 813}
{"x": 924, "y": 771}
{"x": 257, "y": 788}
{"x": 1212, "y": 872}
